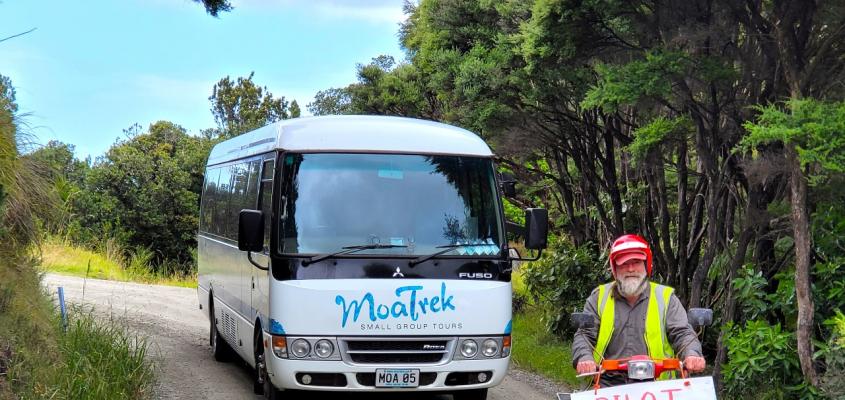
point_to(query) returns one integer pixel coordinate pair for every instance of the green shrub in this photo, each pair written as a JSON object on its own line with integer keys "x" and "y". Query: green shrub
{"x": 762, "y": 361}
{"x": 832, "y": 382}
{"x": 561, "y": 281}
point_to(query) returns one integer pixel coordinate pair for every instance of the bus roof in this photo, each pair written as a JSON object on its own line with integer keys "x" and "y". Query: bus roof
{"x": 353, "y": 134}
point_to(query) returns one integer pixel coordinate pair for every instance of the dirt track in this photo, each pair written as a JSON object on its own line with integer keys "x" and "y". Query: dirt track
{"x": 178, "y": 333}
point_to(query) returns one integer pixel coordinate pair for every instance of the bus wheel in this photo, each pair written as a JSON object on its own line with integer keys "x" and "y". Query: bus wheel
{"x": 263, "y": 378}
{"x": 472, "y": 394}
{"x": 219, "y": 348}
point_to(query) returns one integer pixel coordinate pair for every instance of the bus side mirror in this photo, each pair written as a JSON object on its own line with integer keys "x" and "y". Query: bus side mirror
{"x": 251, "y": 230}
{"x": 509, "y": 188}
{"x": 536, "y": 228}
{"x": 699, "y": 317}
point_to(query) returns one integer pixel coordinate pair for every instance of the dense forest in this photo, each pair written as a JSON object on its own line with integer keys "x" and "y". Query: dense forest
{"x": 716, "y": 129}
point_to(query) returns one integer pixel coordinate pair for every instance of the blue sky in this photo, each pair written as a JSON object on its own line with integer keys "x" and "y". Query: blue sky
{"x": 94, "y": 68}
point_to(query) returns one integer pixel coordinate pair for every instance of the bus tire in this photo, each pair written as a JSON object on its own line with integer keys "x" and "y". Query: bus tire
{"x": 472, "y": 394}
{"x": 269, "y": 390}
{"x": 219, "y": 347}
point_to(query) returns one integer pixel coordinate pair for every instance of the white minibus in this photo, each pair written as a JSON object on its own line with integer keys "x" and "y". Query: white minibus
{"x": 359, "y": 254}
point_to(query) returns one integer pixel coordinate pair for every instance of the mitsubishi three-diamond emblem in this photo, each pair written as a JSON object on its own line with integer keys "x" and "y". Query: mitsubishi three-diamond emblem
{"x": 398, "y": 273}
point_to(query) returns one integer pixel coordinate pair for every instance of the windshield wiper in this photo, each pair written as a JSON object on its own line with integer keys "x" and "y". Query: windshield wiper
{"x": 447, "y": 248}
{"x": 348, "y": 250}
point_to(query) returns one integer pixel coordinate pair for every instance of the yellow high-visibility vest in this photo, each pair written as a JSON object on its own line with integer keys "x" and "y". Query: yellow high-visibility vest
{"x": 655, "y": 325}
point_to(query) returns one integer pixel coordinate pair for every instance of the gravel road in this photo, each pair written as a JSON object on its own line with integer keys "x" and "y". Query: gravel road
{"x": 178, "y": 334}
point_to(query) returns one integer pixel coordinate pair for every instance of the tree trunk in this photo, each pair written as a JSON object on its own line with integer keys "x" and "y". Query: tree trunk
{"x": 801, "y": 232}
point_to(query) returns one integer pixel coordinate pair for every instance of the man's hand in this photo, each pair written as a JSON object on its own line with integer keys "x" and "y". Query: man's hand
{"x": 691, "y": 363}
{"x": 585, "y": 367}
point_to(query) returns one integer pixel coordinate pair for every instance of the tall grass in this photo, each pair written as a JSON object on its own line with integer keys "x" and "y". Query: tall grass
{"x": 110, "y": 261}
{"x": 102, "y": 360}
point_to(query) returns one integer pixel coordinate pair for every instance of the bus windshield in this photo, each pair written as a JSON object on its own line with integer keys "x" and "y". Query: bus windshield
{"x": 412, "y": 204}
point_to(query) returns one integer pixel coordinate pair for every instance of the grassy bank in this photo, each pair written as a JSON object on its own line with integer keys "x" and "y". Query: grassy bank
{"x": 93, "y": 359}
{"x": 65, "y": 258}
{"x": 534, "y": 348}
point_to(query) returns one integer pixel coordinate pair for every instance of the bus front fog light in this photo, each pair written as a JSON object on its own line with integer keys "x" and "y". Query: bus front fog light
{"x": 300, "y": 348}
{"x": 482, "y": 377}
{"x": 490, "y": 348}
{"x": 323, "y": 348}
{"x": 469, "y": 348}
{"x": 306, "y": 379}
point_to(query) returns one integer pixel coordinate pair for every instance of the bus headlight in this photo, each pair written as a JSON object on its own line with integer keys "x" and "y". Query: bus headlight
{"x": 300, "y": 348}
{"x": 490, "y": 348}
{"x": 469, "y": 348}
{"x": 323, "y": 348}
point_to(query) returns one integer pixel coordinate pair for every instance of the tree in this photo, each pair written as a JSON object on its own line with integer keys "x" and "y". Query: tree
{"x": 332, "y": 101}
{"x": 294, "y": 109}
{"x": 812, "y": 133}
{"x": 215, "y": 7}
{"x": 242, "y": 106}
{"x": 145, "y": 192}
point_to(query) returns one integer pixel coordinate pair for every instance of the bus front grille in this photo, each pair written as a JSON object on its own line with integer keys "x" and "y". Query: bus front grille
{"x": 397, "y": 350}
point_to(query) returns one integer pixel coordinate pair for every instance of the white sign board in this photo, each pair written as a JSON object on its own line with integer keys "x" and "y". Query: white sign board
{"x": 392, "y": 307}
{"x": 700, "y": 388}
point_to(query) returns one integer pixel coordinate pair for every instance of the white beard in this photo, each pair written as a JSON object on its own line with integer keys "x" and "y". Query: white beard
{"x": 631, "y": 286}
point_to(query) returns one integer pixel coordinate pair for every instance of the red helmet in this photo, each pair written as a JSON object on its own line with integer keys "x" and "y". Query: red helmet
{"x": 630, "y": 245}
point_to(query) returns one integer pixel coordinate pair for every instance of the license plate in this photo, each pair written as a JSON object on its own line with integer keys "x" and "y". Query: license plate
{"x": 397, "y": 378}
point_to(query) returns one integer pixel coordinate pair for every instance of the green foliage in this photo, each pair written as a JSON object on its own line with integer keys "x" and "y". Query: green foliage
{"x": 242, "y": 106}
{"x": 145, "y": 193}
{"x": 655, "y": 132}
{"x": 537, "y": 350}
{"x": 643, "y": 79}
{"x": 814, "y": 127}
{"x": 751, "y": 295}
{"x": 295, "y": 112}
{"x": 561, "y": 281}
{"x": 36, "y": 359}
{"x": 102, "y": 361}
{"x": 762, "y": 357}
{"x": 833, "y": 381}
{"x": 331, "y": 102}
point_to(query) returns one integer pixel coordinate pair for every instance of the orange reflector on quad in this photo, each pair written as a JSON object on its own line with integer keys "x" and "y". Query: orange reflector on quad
{"x": 610, "y": 365}
{"x": 671, "y": 363}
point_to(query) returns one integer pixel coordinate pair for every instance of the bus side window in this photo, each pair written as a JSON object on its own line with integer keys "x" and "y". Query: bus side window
{"x": 209, "y": 199}
{"x": 266, "y": 199}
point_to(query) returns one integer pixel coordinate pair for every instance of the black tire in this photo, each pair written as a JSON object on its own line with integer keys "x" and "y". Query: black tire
{"x": 219, "y": 347}
{"x": 472, "y": 394}
{"x": 262, "y": 383}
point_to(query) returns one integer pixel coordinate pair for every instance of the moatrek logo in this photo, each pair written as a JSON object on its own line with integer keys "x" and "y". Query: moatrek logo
{"x": 411, "y": 305}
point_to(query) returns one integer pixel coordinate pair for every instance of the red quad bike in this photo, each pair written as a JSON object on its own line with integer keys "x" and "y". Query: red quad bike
{"x": 642, "y": 371}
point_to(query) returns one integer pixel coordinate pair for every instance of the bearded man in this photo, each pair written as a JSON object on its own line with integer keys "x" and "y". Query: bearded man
{"x": 636, "y": 317}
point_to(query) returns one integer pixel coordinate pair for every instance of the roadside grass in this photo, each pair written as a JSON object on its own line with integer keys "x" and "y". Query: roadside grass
{"x": 62, "y": 257}
{"x": 103, "y": 360}
{"x": 93, "y": 359}
{"x": 534, "y": 348}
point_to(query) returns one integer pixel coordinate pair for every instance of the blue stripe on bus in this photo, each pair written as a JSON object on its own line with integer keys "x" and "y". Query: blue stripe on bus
{"x": 508, "y": 328}
{"x": 276, "y": 327}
